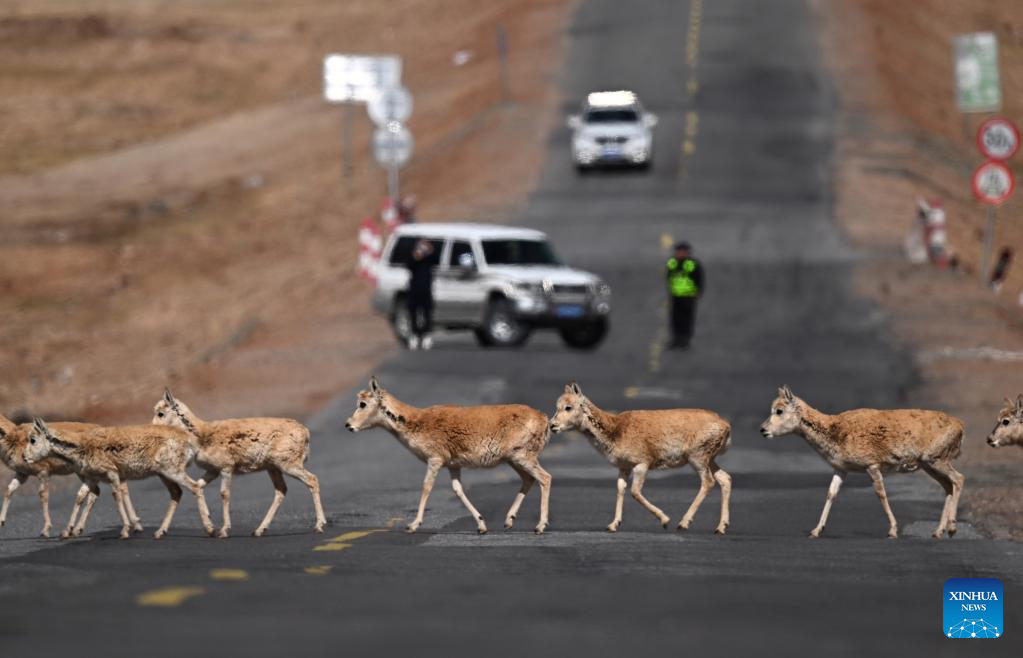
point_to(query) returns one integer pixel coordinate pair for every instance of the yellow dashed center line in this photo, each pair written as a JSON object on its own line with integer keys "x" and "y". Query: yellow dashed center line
{"x": 341, "y": 542}
{"x": 229, "y": 574}
{"x": 661, "y": 335}
{"x": 168, "y": 597}
{"x": 318, "y": 570}
{"x": 692, "y": 83}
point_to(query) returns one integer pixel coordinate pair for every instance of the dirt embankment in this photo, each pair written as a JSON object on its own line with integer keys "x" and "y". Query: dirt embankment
{"x": 901, "y": 137}
{"x": 174, "y": 211}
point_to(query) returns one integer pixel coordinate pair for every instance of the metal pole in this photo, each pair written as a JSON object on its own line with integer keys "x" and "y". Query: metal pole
{"x": 392, "y": 185}
{"x": 502, "y": 56}
{"x": 346, "y": 143}
{"x": 988, "y": 239}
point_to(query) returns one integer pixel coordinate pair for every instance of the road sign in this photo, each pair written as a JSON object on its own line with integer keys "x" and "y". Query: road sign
{"x": 390, "y": 104}
{"x": 392, "y": 145}
{"x": 998, "y": 139}
{"x": 993, "y": 183}
{"x": 976, "y": 70}
{"x": 357, "y": 78}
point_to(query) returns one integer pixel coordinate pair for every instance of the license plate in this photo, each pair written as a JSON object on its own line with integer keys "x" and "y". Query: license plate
{"x": 612, "y": 151}
{"x": 569, "y": 311}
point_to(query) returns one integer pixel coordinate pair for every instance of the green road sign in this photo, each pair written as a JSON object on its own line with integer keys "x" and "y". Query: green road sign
{"x": 976, "y": 61}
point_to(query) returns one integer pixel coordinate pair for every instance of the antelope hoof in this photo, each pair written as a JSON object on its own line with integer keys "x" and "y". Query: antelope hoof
{"x": 721, "y": 529}
{"x": 683, "y": 525}
{"x": 258, "y": 532}
{"x": 509, "y": 522}
{"x": 814, "y": 534}
{"x": 893, "y": 534}
{"x": 613, "y": 527}
{"x": 411, "y": 528}
{"x": 224, "y": 533}
{"x": 77, "y": 532}
{"x": 159, "y": 534}
{"x": 540, "y": 528}
{"x": 137, "y": 528}
{"x": 319, "y": 527}
{"x": 125, "y": 534}
{"x": 482, "y": 530}
{"x": 952, "y": 530}
{"x": 45, "y": 534}
{"x": 66, "y": 534}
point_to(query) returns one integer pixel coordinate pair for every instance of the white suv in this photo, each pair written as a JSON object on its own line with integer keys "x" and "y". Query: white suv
{"x": 612, "y": 129}
{"x": 498, "y": 281}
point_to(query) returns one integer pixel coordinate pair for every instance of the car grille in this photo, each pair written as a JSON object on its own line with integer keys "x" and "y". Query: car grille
{"x": 612, "y": 140}
{"x": 562, "y": 289}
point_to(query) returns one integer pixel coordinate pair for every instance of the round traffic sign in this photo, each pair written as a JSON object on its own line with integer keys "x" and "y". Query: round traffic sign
{"x": 998, "y": 139}
{"x": 392, "y": 145}
{"x": 390, "y": 104}
{"x": 993, "y": 183}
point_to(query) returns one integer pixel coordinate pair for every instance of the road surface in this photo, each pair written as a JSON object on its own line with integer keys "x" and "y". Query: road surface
{"x": 742, "y": 171}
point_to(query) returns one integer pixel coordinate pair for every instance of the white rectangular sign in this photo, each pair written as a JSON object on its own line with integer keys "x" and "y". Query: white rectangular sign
{"x": 357, "y": 78}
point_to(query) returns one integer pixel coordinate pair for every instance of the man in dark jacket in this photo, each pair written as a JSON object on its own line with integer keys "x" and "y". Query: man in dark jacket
{"x": 420, "y": 295}
{"x": 685, "y": 286}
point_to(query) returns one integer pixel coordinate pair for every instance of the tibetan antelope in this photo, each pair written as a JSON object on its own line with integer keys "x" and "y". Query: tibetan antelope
{"x": 13, "y": 439}
{"x": 117, "y": 454}
{"x": 1009, "y": 428}
{"x": 246, "y": 445}
{"x": 876, "y": 442}
{"x": 457, "y": 437}
{"x": 637, "y": 441}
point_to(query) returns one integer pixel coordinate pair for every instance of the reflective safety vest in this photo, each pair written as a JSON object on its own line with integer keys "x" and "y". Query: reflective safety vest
{"x": 680, "y": 279}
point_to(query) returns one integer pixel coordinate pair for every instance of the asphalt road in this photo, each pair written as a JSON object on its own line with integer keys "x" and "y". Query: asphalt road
{"x": 742, "y": 84}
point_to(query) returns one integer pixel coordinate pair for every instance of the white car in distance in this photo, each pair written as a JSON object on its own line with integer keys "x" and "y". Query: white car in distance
{"x": 612, "y": 128}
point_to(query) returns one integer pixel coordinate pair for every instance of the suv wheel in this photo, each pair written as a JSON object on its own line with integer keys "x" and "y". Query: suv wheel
{"x": 501, "y": 328}
{"x": 584, "y": 336}
{"x": 401, "y": 321}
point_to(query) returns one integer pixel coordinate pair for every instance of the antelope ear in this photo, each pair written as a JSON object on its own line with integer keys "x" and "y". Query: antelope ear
{"x": 1019, "y": 405}
{"x": 786, "y": 393}
{"x": 40, "y": 426}
{"x": 374, "y": 387}
{"x": 574, "y": 388}
{"x": 167, "y": 397}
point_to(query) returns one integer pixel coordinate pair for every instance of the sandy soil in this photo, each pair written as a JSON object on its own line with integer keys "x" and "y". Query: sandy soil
{"x": 900, "y": 138}
{"x": 174, "y": 210}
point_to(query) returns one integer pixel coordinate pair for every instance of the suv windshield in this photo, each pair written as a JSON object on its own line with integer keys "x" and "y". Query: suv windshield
{"x": 618, "y": 115}
{"x": 519, "y": 252}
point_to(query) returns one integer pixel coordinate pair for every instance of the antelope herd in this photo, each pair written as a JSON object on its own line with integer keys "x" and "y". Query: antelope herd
{"x": 635, "y": 442}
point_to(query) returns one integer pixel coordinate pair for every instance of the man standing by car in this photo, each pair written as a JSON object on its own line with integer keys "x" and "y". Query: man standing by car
{"x": 420, "y": 295}
{"x": 685, "y": 286}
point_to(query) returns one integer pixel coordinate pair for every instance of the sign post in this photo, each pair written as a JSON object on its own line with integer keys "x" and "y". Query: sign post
{"x": 993, "y": 184}
{"x": 392, "y": 148}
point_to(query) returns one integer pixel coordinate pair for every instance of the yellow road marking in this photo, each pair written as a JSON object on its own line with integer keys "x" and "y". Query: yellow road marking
{"x": 168, "y": 597}
{"x": 319, "y": 570}
{"x": 340, "y": 542}
{"x": 330, "y": 546}
{"x": 393, "y": 521}
{"x": 229, "y": 574}
{"x": 631, "y": 391}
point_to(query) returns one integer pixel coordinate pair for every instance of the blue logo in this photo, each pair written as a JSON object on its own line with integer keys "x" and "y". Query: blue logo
{"x": 972, "y": 608}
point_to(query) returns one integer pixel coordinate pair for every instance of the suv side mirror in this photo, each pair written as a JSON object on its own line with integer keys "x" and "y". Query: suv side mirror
{"x": 649, "y": 120}
{"x": 575, "y": 122}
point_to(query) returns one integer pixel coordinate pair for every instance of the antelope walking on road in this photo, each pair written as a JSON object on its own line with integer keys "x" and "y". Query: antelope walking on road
{"x": 462, "y": 437}
{"x": 876, "y": 442}
{"x": 637, "y": 441}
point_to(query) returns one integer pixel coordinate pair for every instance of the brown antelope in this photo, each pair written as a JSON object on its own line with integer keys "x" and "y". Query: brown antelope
{"x": 117, "y": 454}
{"x": 1009, "y": 428}
{"x": 876, "y": 442}
{"x": 637, "y": 441}
{"x": 457, "y": 437}
{"x": 13, "y": 439}
{"x": 246, "y": 445}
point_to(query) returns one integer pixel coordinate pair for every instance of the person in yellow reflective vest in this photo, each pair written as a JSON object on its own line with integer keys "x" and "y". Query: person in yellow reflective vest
{"x": 685, "y": 286}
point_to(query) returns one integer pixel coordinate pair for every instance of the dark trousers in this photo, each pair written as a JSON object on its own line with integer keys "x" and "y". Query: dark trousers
{"x": 683, "y": 319}
{"x": 420, "y": 311}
